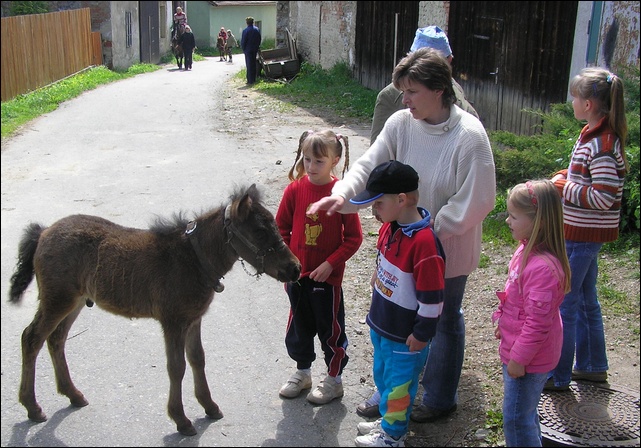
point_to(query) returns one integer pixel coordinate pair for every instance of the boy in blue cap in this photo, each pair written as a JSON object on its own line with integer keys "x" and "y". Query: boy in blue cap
{"x": 407, "y": 298}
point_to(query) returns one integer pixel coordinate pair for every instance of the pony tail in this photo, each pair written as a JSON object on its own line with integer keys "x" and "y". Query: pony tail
{"x": 616, "y": 118}
{"x": 297, "y": 161}
{"x": 346, "y": 156}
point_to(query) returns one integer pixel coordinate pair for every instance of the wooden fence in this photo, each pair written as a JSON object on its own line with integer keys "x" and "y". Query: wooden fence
{"x": 39, "y": 49}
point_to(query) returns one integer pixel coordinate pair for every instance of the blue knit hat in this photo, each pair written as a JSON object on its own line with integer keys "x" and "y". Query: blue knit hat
{"x": 432, "y": 37}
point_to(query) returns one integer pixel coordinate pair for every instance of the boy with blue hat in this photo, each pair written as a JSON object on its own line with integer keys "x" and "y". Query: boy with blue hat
{"x": 407, "y": 298}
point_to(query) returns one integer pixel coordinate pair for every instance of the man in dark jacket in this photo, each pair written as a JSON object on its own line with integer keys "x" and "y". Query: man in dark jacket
{"x": 250, "y": 43}
{"x": 188, "y": 42}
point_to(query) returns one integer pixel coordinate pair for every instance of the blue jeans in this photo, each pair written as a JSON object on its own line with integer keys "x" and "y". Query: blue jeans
{"x": 521, "y": 398}
{"x": 396, "y": 371}
{"x": 581, "y": 314}
{"x": 445, "y": 359}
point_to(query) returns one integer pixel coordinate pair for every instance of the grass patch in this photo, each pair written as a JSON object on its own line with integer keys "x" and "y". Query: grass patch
{"x": 314, "y": 88}
{"x": 26, "y": 107}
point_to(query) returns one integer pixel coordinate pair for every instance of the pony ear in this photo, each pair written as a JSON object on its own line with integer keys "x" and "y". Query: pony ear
{"x": 245, "y": 203}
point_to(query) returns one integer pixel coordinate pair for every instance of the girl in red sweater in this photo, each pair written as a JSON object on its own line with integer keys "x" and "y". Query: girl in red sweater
{"x": 322, "y": 244}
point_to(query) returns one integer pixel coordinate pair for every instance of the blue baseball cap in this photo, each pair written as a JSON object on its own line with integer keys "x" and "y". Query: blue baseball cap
{"x": 432, "y": 37}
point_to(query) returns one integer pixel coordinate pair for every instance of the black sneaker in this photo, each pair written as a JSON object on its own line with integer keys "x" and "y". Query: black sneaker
{"x": 424, "y": 414}
{"x": 367, "y": 411}
{"x": 549, "y": 386}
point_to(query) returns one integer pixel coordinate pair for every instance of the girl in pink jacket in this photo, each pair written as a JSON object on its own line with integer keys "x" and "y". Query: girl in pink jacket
{"x": 528, "y": 319}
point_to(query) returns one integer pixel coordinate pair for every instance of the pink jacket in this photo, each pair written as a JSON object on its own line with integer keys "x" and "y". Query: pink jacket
{"x": 528, "y": 313}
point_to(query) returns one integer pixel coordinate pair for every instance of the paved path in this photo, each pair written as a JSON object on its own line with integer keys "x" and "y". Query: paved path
{"x": 129, "y": 151}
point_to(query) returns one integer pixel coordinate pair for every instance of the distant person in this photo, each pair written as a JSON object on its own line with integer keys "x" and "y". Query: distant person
{"x": 528, "y": 319}
{"x": 591, "y": 189}
{"x": 407, "y": 298}
{"x": 390, "y": 99}
{"x": 323, "y": 244}
{"x": 451, "y": 151}
{"x": 188, "y": 43}
{"x": 231, "y": 44}
{"x": 180, "y": 22}
{"x": 221, "y": 43}
{"x": 250, "y": 43}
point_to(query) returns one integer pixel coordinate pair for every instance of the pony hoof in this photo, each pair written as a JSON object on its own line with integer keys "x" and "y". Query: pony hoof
{"x": 37, "y": 416}
{"x": 79, "y": 402}
{"x": 188, "y": 430}
{"x": 215, "y": 414}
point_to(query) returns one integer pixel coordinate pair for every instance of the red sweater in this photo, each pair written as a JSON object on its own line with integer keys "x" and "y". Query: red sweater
{"x": 318, "y": 238}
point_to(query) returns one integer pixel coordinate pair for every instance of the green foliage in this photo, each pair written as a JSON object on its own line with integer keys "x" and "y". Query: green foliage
{"x": 26, "y": 8}
{"x": 518, "y": 158}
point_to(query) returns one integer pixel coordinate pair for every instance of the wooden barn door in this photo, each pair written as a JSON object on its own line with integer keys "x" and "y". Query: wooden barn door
{"x": 384, "y": 34}
{"x": 149, "y": 32}
{"x": 511, "y": 57}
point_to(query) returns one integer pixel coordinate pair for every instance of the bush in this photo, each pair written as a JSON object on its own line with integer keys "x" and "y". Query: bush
{"x": 539, "y": 156}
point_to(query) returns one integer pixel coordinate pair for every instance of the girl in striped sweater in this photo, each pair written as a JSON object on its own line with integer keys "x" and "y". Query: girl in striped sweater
{"x": 591, "y": 190}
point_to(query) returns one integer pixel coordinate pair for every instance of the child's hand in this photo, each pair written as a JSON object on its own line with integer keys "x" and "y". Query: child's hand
{"x": 322, "y": 272}
{"x": 515, "y": 370}
{"x": 497, "y": 332}
{"x": 414, "y": 344}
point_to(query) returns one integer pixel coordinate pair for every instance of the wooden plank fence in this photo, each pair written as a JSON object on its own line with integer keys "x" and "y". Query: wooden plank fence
{"x": 39, "y": 49}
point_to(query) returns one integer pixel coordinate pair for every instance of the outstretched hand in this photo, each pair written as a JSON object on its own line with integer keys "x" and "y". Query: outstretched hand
{"x": 332, "y": 204}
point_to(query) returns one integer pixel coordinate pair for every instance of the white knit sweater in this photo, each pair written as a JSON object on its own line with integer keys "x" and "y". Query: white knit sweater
{"x": 457, "y": 180}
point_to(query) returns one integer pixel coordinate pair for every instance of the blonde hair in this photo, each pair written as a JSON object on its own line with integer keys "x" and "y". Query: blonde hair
{"x": 594, "y": 83}
{"x": 540, "y": 201}
{"x": 320, "y": 144}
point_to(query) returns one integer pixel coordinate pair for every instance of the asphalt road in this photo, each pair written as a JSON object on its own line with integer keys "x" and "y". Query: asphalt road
{"x": 130, "y": 151}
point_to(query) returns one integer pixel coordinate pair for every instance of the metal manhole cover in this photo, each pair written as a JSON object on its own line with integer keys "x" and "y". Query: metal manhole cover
{"x": 590, "y": 414}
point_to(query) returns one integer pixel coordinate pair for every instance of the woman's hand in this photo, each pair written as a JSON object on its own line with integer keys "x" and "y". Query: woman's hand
{"x": 332, "y": 204}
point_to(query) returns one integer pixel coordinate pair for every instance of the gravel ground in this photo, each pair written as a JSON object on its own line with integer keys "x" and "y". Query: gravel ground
{"x": 259, "y": 117}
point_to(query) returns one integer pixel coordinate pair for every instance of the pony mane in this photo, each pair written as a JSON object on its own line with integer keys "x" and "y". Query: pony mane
{"x": 166, "y": 226}
{"x": 163, "y": 225}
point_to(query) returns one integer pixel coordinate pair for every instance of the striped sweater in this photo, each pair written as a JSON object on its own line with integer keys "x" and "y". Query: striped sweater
{"x": 593, "y": 186}
{"x": 407, "y": 297}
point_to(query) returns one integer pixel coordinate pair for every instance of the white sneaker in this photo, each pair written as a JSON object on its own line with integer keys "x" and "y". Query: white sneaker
{"x": 379, "y": 439}
{"x": 368, "y": 427}
{"x": 326, "y": 391}
{"x": 298, "y": 382}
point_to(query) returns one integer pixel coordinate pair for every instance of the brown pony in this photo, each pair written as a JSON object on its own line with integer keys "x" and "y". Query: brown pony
{"x": 168, "y": 272}
{"x": 177, "y": 50}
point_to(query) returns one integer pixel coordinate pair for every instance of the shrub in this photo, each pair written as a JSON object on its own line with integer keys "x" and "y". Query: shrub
{"x": 539, "y": 156}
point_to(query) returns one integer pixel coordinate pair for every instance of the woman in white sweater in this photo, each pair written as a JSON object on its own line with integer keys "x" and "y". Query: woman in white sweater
{"x": 450, "y": 150}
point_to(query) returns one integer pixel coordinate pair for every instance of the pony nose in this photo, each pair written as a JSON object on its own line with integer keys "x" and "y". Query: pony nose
{"x": 295, "y": 272}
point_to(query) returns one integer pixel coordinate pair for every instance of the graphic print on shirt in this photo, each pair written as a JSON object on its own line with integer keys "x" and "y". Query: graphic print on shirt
{"x": 313, "y": 230}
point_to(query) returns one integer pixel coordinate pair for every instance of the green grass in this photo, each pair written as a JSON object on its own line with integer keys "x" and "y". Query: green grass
{"x": 26, "y": 107}
{"x": 323, "y": 90}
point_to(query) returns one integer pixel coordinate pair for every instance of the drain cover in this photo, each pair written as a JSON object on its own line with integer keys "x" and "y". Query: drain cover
{"x": 590, "y": 414}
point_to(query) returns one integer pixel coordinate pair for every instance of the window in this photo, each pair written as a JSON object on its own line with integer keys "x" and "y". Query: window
{"x": 128, "y": 33}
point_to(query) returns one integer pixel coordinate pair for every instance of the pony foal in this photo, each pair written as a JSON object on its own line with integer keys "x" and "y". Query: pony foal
{"x": 168, "y": 272}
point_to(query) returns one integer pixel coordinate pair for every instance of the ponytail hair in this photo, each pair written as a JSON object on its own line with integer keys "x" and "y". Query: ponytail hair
{"x": 606, "y": 88}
